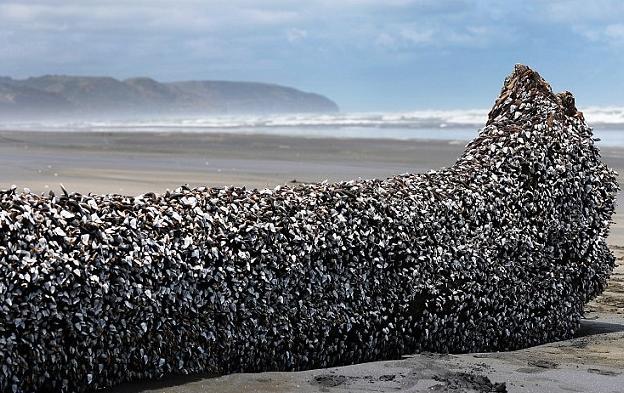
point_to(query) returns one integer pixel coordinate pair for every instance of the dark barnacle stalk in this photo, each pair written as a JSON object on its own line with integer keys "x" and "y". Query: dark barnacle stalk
{"x": 100, "y": 289}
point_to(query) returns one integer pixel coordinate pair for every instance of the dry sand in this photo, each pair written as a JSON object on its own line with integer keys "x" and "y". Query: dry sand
{"x": 140, "y": 162}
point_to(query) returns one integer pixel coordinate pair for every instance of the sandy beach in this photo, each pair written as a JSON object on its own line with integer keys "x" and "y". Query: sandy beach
{"x": 134, "y": 163}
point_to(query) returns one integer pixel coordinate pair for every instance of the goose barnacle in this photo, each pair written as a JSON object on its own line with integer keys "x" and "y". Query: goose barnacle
{"x": 499, "y": 251}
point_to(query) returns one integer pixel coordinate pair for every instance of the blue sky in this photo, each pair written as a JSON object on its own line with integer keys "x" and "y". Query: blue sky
{"x": 365, "y": 54}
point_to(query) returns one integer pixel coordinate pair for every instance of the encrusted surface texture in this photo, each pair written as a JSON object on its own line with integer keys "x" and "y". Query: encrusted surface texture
{"x": 500, "y": 251}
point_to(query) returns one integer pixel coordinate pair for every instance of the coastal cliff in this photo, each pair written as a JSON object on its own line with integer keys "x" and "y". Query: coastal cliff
{"x": 82, "y": 96}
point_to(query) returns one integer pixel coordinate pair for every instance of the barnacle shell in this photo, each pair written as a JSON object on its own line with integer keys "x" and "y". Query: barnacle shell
{"x": 498, "y": 252}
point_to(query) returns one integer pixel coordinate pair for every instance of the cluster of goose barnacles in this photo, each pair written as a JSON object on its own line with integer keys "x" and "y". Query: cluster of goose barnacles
{"x": 500, "y": 251}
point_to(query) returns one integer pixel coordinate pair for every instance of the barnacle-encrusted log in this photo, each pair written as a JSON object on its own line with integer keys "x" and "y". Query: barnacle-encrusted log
{"x": 500, "y": 251}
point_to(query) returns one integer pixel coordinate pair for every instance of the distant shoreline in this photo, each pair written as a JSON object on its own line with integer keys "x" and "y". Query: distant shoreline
{"x": 459, "y": 135}
{"x": 445, "y": 125}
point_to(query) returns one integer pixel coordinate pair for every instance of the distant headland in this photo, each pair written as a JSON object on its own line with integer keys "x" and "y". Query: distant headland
{"x": 88, "y": 96}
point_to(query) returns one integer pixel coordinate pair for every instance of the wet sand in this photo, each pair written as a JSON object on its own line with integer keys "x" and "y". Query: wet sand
{"x": 140, "y": 162}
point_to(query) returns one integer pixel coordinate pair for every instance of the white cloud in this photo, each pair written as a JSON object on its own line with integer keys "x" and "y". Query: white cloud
{"x": 295, "y": 35}
{"x": 237, "y": 33}
{"x": 581, "y": 11}
{"x": 407, "y": 36}
{"x": 615, "y": 31}
{"x": 269, "y": 17}
{"x": 416, "y": 35}
{"x": 386, "y": 40}
{"x": 611, "y": 34}
{"x": 141, "y": 15}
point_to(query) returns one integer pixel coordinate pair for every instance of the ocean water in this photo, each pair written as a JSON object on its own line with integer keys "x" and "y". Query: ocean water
{"x": 452, "y": 125}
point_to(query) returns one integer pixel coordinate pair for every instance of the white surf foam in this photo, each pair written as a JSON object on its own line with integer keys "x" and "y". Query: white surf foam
{"x": 427, "y": 124}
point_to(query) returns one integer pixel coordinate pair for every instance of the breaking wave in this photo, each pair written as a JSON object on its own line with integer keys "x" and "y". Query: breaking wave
{"x": 424, "y": 124}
